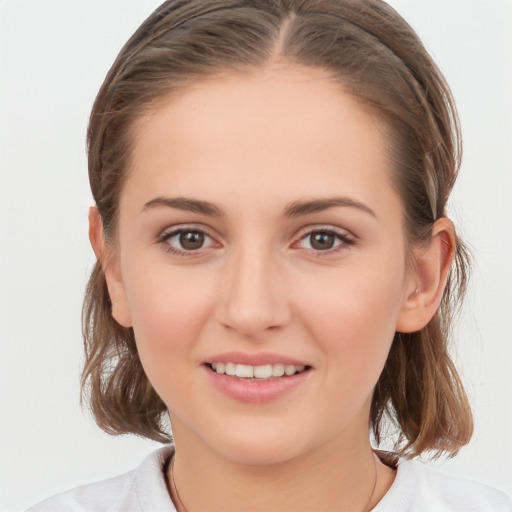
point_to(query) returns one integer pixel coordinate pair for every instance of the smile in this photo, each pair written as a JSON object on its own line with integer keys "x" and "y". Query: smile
{"x": 256, "y": 373}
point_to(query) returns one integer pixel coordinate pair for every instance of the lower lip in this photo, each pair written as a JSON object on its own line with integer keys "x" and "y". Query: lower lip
{"x": 256, "y": 392}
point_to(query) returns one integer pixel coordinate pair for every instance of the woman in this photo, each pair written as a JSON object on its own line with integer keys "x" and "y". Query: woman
{"x": 275, "y": 268}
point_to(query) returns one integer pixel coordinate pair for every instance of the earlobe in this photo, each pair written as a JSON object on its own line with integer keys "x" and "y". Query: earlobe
{"x": 427, "y": 281}
{"x": 110, "y": 265}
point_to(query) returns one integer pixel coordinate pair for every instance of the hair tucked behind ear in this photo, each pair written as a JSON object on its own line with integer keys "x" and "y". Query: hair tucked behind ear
{"x": 378, "y": 59}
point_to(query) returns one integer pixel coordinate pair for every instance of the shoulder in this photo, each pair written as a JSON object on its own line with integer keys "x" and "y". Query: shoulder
{"x": 419, "y": 488}
{"x": 140, "y": 490}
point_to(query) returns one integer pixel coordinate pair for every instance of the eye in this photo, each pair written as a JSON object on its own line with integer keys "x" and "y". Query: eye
{"x": 324, "y": 240}
{"x": 186, "y": 240}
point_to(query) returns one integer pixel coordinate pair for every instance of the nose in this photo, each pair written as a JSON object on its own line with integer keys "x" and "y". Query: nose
{"x": 253, "y": 298}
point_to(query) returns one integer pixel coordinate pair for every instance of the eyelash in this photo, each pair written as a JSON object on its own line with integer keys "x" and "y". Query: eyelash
{"x": 167, "y": 235}
{"x": 343, "y": 238}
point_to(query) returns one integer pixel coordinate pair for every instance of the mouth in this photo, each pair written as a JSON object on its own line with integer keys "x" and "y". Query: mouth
{"x": 252, "y": 373}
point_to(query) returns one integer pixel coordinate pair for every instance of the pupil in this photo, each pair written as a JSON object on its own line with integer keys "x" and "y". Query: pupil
{"x": 191, "y": 240}
{"x": 322, "y": 241}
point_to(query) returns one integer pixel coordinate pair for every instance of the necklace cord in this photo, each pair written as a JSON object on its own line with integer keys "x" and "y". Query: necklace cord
{"x": 375, "y": 473}
{"x": 174, "y": 489}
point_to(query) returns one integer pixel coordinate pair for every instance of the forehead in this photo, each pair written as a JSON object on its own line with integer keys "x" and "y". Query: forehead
{"x": 265, "y": 130}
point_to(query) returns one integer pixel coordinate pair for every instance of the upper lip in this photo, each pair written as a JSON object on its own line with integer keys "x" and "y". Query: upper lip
{"x": 256, "y": 359}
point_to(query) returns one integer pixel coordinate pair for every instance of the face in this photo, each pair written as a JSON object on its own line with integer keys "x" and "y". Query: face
{"x": 260, "y": 235}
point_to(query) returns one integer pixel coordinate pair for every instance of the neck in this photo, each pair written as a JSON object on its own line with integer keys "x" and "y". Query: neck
{"x": 335, "y": 477}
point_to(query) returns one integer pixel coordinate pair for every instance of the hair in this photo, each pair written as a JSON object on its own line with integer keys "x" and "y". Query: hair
{"x": 379, "y": 60}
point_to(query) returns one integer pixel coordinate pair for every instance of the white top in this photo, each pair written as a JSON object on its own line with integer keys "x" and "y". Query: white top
{"x": 417, "y": 488}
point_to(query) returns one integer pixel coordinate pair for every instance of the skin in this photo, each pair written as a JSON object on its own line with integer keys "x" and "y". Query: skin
{"x": 252, "y": 145}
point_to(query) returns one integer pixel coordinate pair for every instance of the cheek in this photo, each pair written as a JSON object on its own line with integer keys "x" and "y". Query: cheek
{"x": 168, "y": 315}
{"x": 353, "y": 313}
{"x": 168, "y": 311}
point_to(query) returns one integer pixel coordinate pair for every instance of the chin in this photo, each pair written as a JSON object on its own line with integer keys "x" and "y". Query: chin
{"x": 253, "y": 453}
{"x": 259, "y": 445}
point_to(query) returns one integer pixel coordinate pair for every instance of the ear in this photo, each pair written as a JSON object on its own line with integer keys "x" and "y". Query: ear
{"x": 109, "y": 261}
{"x": 427, "y": 280}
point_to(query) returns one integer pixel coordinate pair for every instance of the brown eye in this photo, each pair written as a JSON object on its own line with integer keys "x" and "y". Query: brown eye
{"x": 324, "y": 240}
{"x": 186, "y": 240}
{"x": 191, "y": 240}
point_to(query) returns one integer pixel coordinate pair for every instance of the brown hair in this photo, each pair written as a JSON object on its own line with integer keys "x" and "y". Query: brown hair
{"x": 378, "y": 58}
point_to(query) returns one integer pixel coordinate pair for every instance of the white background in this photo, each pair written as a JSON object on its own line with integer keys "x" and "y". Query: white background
{"x": 53, "y": 57}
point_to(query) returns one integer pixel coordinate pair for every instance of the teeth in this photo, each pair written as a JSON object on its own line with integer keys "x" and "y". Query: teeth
{"x": 263, "y": 372}
{"x": 289, "y": 369}
{"x": 267, "y": 371}
{"x": 245, "y": 370}
{"x": 278, "y": 370}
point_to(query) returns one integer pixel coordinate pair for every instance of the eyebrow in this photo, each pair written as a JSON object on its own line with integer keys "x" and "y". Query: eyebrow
{"x": 184, "y": 203}
{"x": 299, "y": 208}
{"x": 295, "y": 209}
